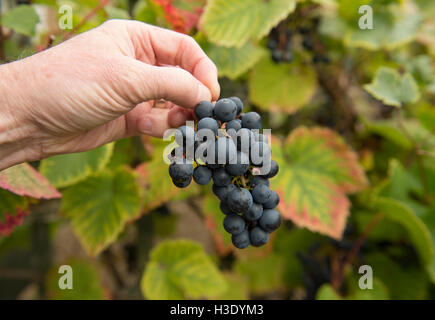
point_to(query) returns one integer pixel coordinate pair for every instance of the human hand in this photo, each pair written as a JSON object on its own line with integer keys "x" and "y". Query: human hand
{"x": 101, "y": 86}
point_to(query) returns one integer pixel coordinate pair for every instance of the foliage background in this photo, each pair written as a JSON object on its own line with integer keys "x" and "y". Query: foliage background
{"x": 355, "y": 140}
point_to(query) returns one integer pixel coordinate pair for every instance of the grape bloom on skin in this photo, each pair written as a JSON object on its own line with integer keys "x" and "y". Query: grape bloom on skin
{"x": 227, "y": 149}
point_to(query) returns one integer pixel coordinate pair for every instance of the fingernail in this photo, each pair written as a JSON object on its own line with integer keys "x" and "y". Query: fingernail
{"x": 145, "y": 125}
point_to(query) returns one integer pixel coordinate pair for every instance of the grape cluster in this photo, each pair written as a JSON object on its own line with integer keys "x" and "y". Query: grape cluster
{"x": 308, "y": 43}
{"x": 280, "y": 45}
{"x": 282, "y": 37}
{"x": 237, "y": 158}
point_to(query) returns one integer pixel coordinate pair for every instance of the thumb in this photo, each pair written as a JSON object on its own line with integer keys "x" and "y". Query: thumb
{"x": 171, "y": 83}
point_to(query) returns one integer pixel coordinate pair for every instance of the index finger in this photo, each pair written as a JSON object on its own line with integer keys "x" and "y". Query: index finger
{"x": 176, "y": 49}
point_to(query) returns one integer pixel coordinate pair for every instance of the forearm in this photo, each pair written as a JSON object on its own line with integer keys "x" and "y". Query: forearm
{"x": 17, "y": 134}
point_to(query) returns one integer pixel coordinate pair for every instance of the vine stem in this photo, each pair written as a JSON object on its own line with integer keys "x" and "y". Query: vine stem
{"x": 242, "y": 178}
{"x": 349, "y": 259}
{"x": 418, "y": 155}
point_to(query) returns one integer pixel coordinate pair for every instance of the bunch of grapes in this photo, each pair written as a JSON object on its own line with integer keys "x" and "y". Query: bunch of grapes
{"x": 283, "y": 37}
{"x": 228, "y": 149}
{"x": 280, "y": 45}
{"x": 309, "y": 44}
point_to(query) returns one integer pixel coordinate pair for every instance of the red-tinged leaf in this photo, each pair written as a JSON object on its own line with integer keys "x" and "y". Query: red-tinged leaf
{"x": 13, "y": 208}
{"x": 24, "y": 180}
{"x": 182, "y": 15}
{"x": 155, "y": 180}
{"x": 317, "y": 170}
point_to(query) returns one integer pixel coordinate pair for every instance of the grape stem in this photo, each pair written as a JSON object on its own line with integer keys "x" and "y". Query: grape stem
{"x": 242, "y": 179}
{"x": 349, "y": 259}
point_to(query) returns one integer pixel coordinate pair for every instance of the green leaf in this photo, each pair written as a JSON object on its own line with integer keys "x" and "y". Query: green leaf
{"x": 237, "y": 288}
{"x": 154, "y": 178}
{"x": 116, "y": 13}
{"x": 393, "y": 89}
{"x": 402, "y": 185}
{"x": 13, "y": 208}
{"x": 287, "y": 244}
{"x": 379, "y": 291}
{"x": 233, "y": 62}
{"x": 417, "y": 231}
{"x": 390, "y": 30}
{"x": 327, "y": 292}
{"x": 100, "y": 207}
{"x": 285, "y": 88}
{"x": 179, "y": 269}
{"x": 67, "y": 169}
{"x": 317, "y": 169}
{"x": 390, "y": 131}
{"x": 143, "y": 11}
{"x": 402, "y": 283}
{"x": 254, "y": 269}
{"x": 86, "y": 282}
{"x": 420, "y": 67}
{"x": 22, "y": 19}
{"x": 24, "y": 180}
{"x": 233, "y": 23}
{"x": 426, "y": 115}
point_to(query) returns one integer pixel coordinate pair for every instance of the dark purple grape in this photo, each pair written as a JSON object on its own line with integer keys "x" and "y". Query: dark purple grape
{"x": 254, "y": 213}
{"x": 239, "y": 200}
{"x": 204, "y": 109}
{"x": 202, "y": 175}
{"x": 251, "y": 120}
{"x": 238, "y": 103}
{"x": 270, "y": 220}
{"x": 225, "y": 110}
{"x": 221, "y": 177}
{"x": 258, "y": 237}
{"x": 234, "y": 224}
{"x": 261, "y": 194}
{"x": 272, "y": 202}
{"x": 241, "y": 241}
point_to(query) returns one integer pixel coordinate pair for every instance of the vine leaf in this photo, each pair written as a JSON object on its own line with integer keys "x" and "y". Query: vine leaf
{"x": 317, "y": 169}
{"x": 233, "y": 62}
{"x": 379, "y": 291}
{"x": 101, "y": 206}
{"x": 251, "y": 268}
{"x": 22, "y": 19}
{"x": 179, "y": 269}
{"x": 233, "y": 23}
{"x": 389, "y": 32}
{"x": 24, "y": 180}
{"x": 86, "y": 282}
{"x": 284, "y": 87}
{"x": 154, "y": 178}
{"x": 403, "y": 283}
{"x": 393, "y": 89}
{"x": 417, "y": 231}
{"x": 13, "y": 208}
{"x": 67, "y": 169}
